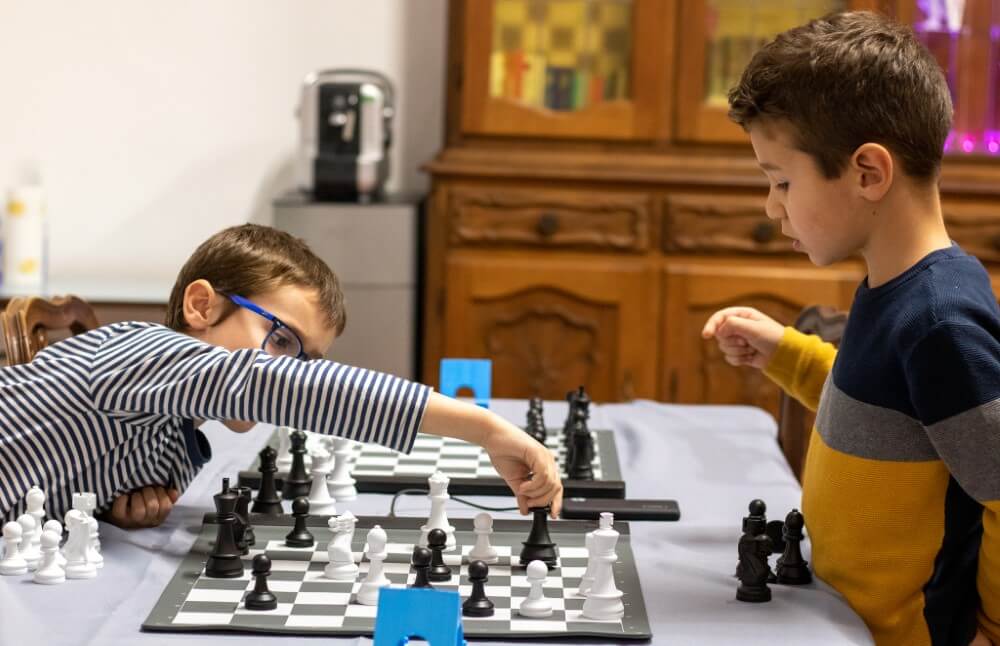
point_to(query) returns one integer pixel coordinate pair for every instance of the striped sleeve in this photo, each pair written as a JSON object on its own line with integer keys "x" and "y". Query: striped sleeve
{"x": 141, "y": 372}
{"x": 801, "y": 365}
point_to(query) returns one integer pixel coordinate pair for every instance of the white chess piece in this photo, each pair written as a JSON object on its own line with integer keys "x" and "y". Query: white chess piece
{"x": 35, "y": 503}
{"x": 604, "y": 600}
{"x": 321, "y": 503}
{"x": 376, "y": 578}
{"x": 341, "y": 566}
{"x": 55, "y": 526}
{"x": 340, "y": 481}
{"x": 587, "y": 580}
{"x": 77, "y": 565}
{"x": 438, "y": 485}
{"x": 284, "y": 448}
{"x": 93, "y": 554}
{"x": 536, "y": 605}
{"x": 13, "y": 563}
{"x": 50, "y": 572}
{"x": 29, "y": 552}
{"x": 482, "y": 527}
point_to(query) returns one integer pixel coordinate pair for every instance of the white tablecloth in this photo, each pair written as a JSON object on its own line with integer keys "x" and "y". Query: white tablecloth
{"x": 712, "y": 459}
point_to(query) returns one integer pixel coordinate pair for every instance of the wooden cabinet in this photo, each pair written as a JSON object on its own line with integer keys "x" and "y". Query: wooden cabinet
{"x": 592, "y": 206}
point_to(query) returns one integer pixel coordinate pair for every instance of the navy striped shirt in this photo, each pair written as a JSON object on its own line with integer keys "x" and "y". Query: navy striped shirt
{"x": 110, "y": 410}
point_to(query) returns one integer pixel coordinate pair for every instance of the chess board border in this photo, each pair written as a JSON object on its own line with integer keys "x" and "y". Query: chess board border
{"x": 610, "y": 486}
{"x": 635, "y": 623}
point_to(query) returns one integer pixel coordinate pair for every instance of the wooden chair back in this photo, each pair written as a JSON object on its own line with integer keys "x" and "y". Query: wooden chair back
{"x": 796, "y": 421}
{"x": 29, "y": 322}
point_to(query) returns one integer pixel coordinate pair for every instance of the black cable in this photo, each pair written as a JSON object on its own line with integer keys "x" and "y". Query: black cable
{"x": 417, "y": 492}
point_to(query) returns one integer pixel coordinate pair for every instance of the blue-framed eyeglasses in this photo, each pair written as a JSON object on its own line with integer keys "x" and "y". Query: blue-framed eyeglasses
{"x": 281, "y": 340}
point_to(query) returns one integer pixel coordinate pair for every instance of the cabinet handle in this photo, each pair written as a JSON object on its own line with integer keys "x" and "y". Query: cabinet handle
{"x": 628, "y": 387}
{"x": 548, "y": 224}
{"x": 764, "y": 232}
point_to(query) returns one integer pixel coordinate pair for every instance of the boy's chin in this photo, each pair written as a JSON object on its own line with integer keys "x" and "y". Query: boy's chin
{"x": 238, "y": 425}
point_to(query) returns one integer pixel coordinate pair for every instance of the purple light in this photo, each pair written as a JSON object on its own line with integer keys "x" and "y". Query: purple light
{"x": 950, "y": 141}
{"x": 968, "y": 144}
{"x": 994, "y": 147}
{"x": 992, "y": 140}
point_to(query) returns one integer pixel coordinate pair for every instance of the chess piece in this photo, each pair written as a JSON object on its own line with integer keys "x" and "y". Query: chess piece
{"x": 478, "y": 605}
{"x": 35, "y": 505}
{"x": 340, "y": 482}
{"x": 757, "y": 515}
{"x": 536, "y": 605}
{"x": 587, "y": 580}
{"x": 792, "y": 568}
{"x": 535, "y": 423}
{"x": 13, "y": 563}
{"x": 224, "y": 561}
{"x": 341, "y": 566}
{"x": 579, "y": 465}
{"x": 300, "y": 536}
{"x": 246, "y": 538}
{"x": 482, "y": 527}
{"x": 604, "y": 599}
{"x": 754, "y": 548}
{"x": 284, "y": 459}
{"x": 376, "y": 579}
{"x": 77, "y": 565}
{"x": 28, "y": 551}
{"x": 267, "y": 501}
{"x": 539, "y": 546}
{"x": 55, "y": 526}
{"x": 438, "y": 486}
{"x": 421, "y": 563}
{"x": 93, "y": 555}
{"x": 297, "y": 482}
{"x": 260, "y": 598}
{"x": 320, "y": 501}
{"x": 436, "y": 539}
{"x": 50, "y": 572}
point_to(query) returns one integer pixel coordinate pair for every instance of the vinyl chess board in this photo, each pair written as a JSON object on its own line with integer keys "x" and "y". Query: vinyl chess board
{"x": 380, "y": 470}
{"x": 308, "y": 603}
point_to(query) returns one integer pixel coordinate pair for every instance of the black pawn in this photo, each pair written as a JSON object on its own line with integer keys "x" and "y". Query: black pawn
{"x": 477, "y": 605}
{"x": 754, "y": 548}
{"x": 421, "y": 563}
{"x": 300, "y": 536}
{"x": 436, "y": 540}
{"x": 260, "y": 598}
{"x": 267, "y": 501}
{"x": 297, "y": 482}
{"x": 539, "y": 546}
{"x": 792, "y": 568}
{"x": 581, "y": 467}
{"x": 224, "y": 561}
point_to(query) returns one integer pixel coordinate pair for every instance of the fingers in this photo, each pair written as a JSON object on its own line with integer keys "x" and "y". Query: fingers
{"x": 716, "y": 320}
{"x": 119, "y": 512}
{"x": 152, "y": 503}
{"x": 137, "y": 511}
{"x": 165, "y": 503}
{"x": 173, "y": 494}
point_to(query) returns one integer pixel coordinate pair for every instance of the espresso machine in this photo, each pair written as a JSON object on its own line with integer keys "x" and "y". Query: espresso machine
{"x": 345, "y": 129}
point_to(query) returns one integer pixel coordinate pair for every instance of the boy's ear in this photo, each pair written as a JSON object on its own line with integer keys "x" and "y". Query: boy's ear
{"x": 873, "y": 166}
{"x": 201, "y": 304}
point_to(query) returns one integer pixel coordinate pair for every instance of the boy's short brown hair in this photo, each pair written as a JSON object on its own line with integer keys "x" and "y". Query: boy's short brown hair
{"x": 845, "y": 80}
{"x": 251, "y": 259}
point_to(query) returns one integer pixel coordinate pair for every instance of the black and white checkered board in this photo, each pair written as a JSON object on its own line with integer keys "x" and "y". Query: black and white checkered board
{"x": 308, "y": 603}
{"x": 381, "y": 470}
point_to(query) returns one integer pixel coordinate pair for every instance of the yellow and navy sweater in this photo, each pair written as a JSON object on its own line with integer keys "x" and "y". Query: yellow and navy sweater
{"x": 901, "y": 487}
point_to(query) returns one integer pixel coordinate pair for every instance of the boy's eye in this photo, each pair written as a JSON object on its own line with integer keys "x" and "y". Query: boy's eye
{"x": 781, "y": 186}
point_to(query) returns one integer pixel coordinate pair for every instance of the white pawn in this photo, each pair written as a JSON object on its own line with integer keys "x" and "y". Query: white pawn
{"x": 284, "y": 448}
{"x": 13, "y": 563}
{"x": 340, "y": 481}
{"x": 604, "y": 600}
{"x": 93, "y": 554}
{"x": 482, "y": 527}
{"x": 587, "y": 580}
{"x": 536, "y": 605}
{"x": 55, "y": 526}
{"x": 29, "y": 552}
{"x": 321, "y": 503}
{"x": 50, "y": 572}
{"x": 35, "y": 502}
{"x": 77, "y": 565}
{"x": 376, "y": 578}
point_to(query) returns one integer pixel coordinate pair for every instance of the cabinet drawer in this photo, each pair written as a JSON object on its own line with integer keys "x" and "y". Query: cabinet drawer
{"x": 703, "y": 223}
{"x": 975, "y": 226}
{"x": 548, "y": 218}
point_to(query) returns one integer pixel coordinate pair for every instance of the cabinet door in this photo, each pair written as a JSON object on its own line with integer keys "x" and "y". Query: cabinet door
{"x": 591, "y": 69}
{"x": 551, "y": 324}
{"x": 694, "y": 370}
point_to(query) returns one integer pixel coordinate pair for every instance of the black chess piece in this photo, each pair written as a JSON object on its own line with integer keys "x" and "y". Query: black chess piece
{"x": 436, "y": 540}
{"x": 792, "y": 568}
{"x": 754, "y": 548}
{"x": 580, "y": 463}
{"x": 478, "y": 605}
{"x": 539, "y": 546}
{"x": 297, "y": 482}
{"x": 243, "y": 513}
{"x": 300, "y": 536}
{"x": 267, "y": 501}
{"x": 260, "y": 598}
{"x": 579, "y": 406}
{"x": 758, "y": 510}
{"x": 421, "y": 562}
{"x": 224, "y": 560}
{"x": 775, "y": 531}
{"x": 240, "y": 525}
{"x": 538, "y": 430}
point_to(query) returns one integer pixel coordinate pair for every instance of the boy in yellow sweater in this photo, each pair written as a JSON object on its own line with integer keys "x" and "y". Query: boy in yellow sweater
{"x": 901, "y": 489}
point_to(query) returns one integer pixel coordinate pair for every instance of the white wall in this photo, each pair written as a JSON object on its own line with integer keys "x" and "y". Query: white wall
{"x": 155, "y": 123}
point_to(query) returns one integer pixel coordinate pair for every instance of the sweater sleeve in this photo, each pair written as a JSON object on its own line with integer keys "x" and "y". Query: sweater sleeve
{"x": 801, "y": 365}
{"x": 953, "y": 376}
{"x": 142, "y": 371}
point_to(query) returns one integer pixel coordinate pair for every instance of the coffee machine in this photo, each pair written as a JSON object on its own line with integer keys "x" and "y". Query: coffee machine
{"x": 345, "y": 129}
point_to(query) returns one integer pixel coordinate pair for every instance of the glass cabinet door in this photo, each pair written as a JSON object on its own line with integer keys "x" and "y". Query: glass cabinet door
{"x": 567, "y": 68}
